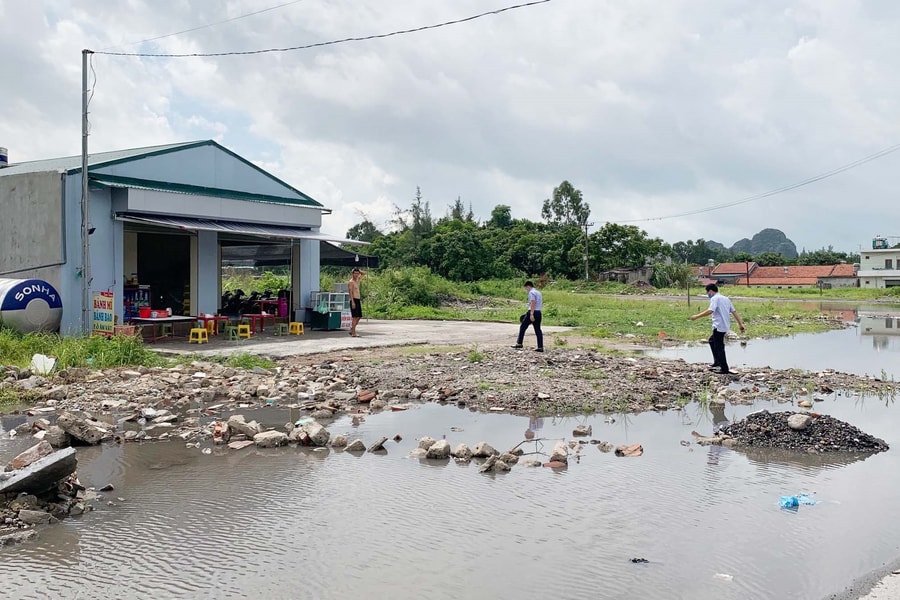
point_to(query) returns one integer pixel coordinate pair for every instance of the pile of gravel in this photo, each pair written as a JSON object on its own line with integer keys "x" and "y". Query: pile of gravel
{"x": 822, "y": 433}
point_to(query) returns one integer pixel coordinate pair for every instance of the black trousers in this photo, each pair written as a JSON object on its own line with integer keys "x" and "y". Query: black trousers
{"x": 717, "y": 345}
{"x": 526, "y": 322}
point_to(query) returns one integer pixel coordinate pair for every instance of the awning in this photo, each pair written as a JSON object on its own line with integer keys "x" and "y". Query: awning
{"x": 270, "y": 255}
{"x": 252, "y": 229}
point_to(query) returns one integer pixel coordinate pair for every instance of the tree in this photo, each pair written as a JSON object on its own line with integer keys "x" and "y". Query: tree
{"x": 364, "y": 232}
{"x": 623, "y": 246}
{"x": 501, "y": 217}
{"x": 566, "y": 207}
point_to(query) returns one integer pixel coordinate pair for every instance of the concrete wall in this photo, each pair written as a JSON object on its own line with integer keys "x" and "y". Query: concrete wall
{"x": 31, "y": 226}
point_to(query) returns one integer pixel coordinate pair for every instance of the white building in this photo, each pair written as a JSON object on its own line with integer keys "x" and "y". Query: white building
{"x": 161, "y": 214}
{"x": 880, "y": 266}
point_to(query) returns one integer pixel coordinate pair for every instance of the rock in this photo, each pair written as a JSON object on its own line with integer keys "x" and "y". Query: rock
{"x": 439, "y": 450}
{"x": 16, "y": 537}
{"x": 418, "y": 453}
{"x": 377, "y": 404}
{"x": 462, "y": 452}
{"x": 532, "y": 463}
{"x": 798, "y": 422}
{"x": 82, "y": 430}
{"x": 804, "y": 404}
{"x": 312, "y": 434}
{"x": 483, "y": 450}
{"x": 487, "y": 465}
{"x": 356, "y": 446}
{"x": 560, "y": 453}
{"x": 630, "y": 450}
{"x": 107, "y": 488}
{"x": 35, "y": 517}
{"x": 582, "y": 430}
{"x": 77, "y": 509}
{"x": 509, "y": 458}
{"x": 322, "y": 413}
{"x": 339, "y": 441}
{"x": 366, "y": 396}
{"x": 31, "y": 455}
{"x": 41, "y": 475}
{"x": 237, "y": 425}
{"x": 270, "y": 439}
{"x": 426, "y": 442}
{"x": 378, "y": 446}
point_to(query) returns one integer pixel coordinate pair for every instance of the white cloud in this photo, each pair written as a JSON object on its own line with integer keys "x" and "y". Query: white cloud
{"x": 649, "y": 108}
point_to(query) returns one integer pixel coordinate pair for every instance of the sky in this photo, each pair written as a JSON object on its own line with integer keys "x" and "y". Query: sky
{"x": 651, "y": 108}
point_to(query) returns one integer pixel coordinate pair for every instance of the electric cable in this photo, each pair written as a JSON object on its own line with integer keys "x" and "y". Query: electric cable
{"x": 776, "y": 191}
{"x": 329, "y": 43}
{"x": 199, "y": 27}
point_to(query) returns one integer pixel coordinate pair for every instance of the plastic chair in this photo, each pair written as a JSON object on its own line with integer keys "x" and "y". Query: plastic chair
{"x": 296, "y": 328}
{"x": 231, "y": 332}
{"x": 199, "y": 335}
{"x": 211, "y": 328}
{"x": 281, "y": 328}
{"x": 244, "y": 331}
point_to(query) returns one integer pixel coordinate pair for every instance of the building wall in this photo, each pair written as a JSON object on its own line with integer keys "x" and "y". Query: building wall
{"x": 32, "y": 227}
{"x": 873, "y": 271}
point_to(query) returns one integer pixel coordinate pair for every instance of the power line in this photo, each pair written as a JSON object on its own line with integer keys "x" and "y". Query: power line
{"x": 333, "y": 42}
{"x": 199, "y": 27}
{"x": 776, "y": 191}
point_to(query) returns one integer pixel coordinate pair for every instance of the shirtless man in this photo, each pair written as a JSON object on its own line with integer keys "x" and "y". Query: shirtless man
{"x": 355, "y": 300}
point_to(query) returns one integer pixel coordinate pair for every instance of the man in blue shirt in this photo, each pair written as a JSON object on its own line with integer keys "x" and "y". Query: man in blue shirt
{"x": 721, "y": 309}
{"x": 532, "y": 317}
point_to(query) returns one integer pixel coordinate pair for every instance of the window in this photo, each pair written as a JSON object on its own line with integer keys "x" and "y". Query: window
{"x": 888, "y": 263}
{"x": 888, "y": 322}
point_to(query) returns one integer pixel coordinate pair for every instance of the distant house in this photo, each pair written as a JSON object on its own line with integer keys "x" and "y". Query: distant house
{"x": 731, "y": 272}
{"x": 826, "y": 276}
{"x": 880, "y": 266}
{"x": 628, "y": 276}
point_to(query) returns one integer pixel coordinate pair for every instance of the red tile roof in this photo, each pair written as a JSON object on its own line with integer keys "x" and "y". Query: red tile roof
{"x": 843, "y": 270}
{"x": 735, "y": 268}
{"x": 795, "y": 275}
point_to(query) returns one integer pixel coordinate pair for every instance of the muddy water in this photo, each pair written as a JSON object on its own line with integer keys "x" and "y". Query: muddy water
{"x": 870, "y": 346}
{"x": 292, "y": 523}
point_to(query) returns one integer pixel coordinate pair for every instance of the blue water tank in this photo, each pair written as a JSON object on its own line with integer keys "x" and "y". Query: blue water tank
{"x": 29, "y": 305}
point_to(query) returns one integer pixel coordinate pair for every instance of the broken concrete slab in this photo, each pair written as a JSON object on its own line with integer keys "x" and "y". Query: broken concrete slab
{"x": 42, "y": 474}
{"x": 83, "y": 430}
{"x": 34, "y": 453}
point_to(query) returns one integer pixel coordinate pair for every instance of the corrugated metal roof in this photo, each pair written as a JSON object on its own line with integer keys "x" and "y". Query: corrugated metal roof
{"x": 251, "y": 229}
{"x": 70, "y": 163}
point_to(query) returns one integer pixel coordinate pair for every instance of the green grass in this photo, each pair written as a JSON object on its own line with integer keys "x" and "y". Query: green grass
{"x": 242, "y": 360}
{"x": 96, "y": 351}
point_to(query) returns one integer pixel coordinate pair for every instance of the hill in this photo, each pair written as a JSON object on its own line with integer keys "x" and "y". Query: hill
{"x": 767, "y": 240}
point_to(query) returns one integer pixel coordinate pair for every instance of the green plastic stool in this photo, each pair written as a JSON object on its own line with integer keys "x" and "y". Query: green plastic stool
{"x": 231, "y": 333}
{"x": 281, "y": 329}
{"x": 165, "y": 329}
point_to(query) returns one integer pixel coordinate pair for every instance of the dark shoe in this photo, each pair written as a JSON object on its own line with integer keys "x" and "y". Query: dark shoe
{"x": 727, "y": 373}
{"x": 518, "y": 346}
{"x": 538, "y": 349}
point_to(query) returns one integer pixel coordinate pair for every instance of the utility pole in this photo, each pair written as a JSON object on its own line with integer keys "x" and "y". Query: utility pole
{"x": 587, "y": 275}
{"x": 85, "y": 202}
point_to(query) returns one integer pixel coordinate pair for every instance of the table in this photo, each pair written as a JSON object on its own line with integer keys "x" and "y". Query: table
{"x": 215, "y": 318}
{"x": 258, "y": 317}
{"x": 160, "y": 321}
{"x": 263, "y": 304}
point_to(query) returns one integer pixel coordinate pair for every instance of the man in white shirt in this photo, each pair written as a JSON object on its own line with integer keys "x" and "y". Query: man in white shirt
{"x": 721, "y": 309}
{"x": 532, "y": 317}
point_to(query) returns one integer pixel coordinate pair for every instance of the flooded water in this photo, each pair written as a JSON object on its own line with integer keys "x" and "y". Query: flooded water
{"x": 294, "y": 523}
{"x": 870, "y": 346}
